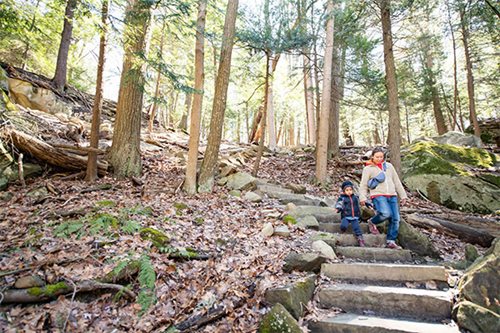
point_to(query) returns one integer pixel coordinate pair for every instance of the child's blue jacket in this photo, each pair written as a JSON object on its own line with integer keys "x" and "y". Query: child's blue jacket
{"x": 348, "y": 206}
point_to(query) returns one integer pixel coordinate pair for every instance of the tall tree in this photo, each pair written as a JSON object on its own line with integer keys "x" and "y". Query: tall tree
{"x": 209, "y": 164}
{"x": 322, "y": 139}
{"x": 156, "y": 98}
{"x": 59, "y": 79}
{"x": 392, "y": 87}
{"x": 199, "y": 77}
{"x": 125, "y": 154}
{"x": 96, "y": 109}
{"x": 468, "y": 65}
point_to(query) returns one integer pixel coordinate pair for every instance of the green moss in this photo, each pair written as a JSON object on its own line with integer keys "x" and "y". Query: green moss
{"x": 180, "y": 206}
{"x": 158, "y": 238}
{"x": 199, "y": 220}
{"x": 49, "y": 290}
{"x": 490, "y": 178}
{"x": 106, "y": 203}
{"x": 289, "y": 219}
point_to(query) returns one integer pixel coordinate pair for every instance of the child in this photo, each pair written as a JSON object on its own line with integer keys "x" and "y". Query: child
{"x": 348, "y": 206}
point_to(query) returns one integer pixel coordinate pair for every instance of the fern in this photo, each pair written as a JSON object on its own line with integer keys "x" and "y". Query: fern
{"x": 103, "y": 222}
{"x": 130, "y": 227}
{"x": 147, "y": 279}
{"x": 66, "y": 229}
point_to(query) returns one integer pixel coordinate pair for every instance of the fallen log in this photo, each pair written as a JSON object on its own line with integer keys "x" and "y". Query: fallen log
{"x": 47, "y": 153}
{"x": 465, "y": 233}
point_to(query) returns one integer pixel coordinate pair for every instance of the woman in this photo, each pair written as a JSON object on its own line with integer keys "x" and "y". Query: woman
{"x": 381, "y": 183}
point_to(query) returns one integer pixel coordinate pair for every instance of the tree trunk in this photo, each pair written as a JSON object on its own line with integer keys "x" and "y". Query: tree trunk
{"x": 256, "y": 165}
{"x": 470, "y": 77}
{"x": 291, "y": 131}
{"x": 187, "y": 107}
{"x": 270, "y": 108}
{"x": 154, "y": 108}
{"x": 125, "y": 154}
{"x": 322, "y": 140}
{"x": 254, "y": 134}
{"x": 199, "y": 77}
{"x": 309, "y": 99}
{"x": 334, "y": 123}
{"x": 219, "y": 105}
{"x": 392, "y": 88}
{"x": 96, "y": 109}
{"x": 59, "y": 79}
{"x": 455, "y": 79}
{"x": 436, "y": 103}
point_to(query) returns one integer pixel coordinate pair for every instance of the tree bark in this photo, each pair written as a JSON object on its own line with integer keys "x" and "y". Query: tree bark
{"x": 256, "y": 165}
{"x": 436, "y": 103}
{"x": 199, "y": 79}
{"x": 187, "y": 107}
{"x": 309, "y": 100}
{"x": 334, "y": 123}
{"x": 219, "y": 105}
{"x": 59, "y": 79}
{"x": 91, "y": 174}
{"x": 125, "y": 154}
{"x": 322, "y": 140}
{"x": 470, "y": 76}
{"x": 392, "y": 88}
{"x": 455, "y": 79}
{"x": 270, "y": 108}
{"x": 154, "y": 108}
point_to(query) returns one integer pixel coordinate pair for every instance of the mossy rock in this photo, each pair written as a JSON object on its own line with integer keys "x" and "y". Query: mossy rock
{"x": 475, "y": 318}
{"x": 278, "y": 320}
{"x": 158, "y": 238}
{"x": 412, "y": 239}
{"x": 180, "y": 206}
{"x": 289, "y": 219}
{"x": 293, "y": 297}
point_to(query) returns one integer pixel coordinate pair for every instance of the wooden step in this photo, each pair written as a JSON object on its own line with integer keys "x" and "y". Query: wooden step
{"x": 335, "y": 227}
{"x": 349, "y": 239}
{"x": 353, "y": 323}
{"x": 384, "y": 272}
{"x": 388, "y": 301}
{"x": 373, "y": 254}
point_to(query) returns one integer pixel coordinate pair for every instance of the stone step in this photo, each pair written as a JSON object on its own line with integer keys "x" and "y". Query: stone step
{"x": 335, "y": 240}
{"x": 335, "y": 227}
{"x": 384, "y": 272}
{"x": 388, "y": 301}
{"x": 373, "y": 254}
{"x": 353, "y": 323}
{"x": 272, "y": 188}
{"x": 322, "y": 214}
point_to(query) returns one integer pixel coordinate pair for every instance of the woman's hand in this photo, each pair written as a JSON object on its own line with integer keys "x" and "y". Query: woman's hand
{"x": 362, "y": 203}
{"x": 403, "y": 202}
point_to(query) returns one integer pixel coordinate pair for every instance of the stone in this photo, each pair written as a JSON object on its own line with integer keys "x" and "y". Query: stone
{"x": 252, "y": 197}
{"x": 308, "y": 222}
{"x": 335, "y": 227}
{"x": 349, "y": 239}
{"x": 29, "y": 281}
{"x": 322, "y": 214}
{"x": 227, "y": 170}
{"x": 480, "y": 285}
{"x": 308, "y": 262}
{"x": 388, "y": 301}
{"x": 324, "y": 249}
{"x": 271, "y": 188}
{"x": 4, "y": 183}
{"x": 241, "y": 181}
{"x": 367, "y": 213}
{"x": 282, "y": 230}
{"x": 471, "y": 253}
{"x": 278, "y": 320}
{"x": 290, "y": 207}
{"x": 235, "y": 193}
{"x": 475, "y": 318}
{"x": 268, "y": 229}
{"x": 38, "y": 193}
{"x": 222, "y": 181}
{"x": 373, "y": 254}
{"x": 412, "y": 239}
{"x": 296, "y": 188}
{"x": 293, "y": 297}
{"x": 5, "y": 196}
{"x": 458, "y": 139}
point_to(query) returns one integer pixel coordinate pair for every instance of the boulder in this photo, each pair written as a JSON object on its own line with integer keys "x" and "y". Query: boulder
{"x": 308, "y": 222}
{"x": 308, "y": 262}
{"x": 252, "y": 196}
{"x": 4, "y": 183}
{"x": 282, "y": 230}
{"x": 324, "y": 249}
{"x": 412, "y": 239}
{"x": 446, "y": 175}
{"x": 471, "y": 253}
{"x": 296, "y": 188}
{"x": 458, "y": 139}
{"x": 475, "y": 318}
{"x": 278, "y": 320}
{"x": 293, "y": 297}
{"x": 235, "y": 193}
{"x": 29, "y": 96}
{"x": 322, "y": 214}
{"x": 241, "y": 181}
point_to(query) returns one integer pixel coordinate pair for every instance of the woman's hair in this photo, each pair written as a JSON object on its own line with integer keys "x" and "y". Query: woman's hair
{"x": 378, "y": 150}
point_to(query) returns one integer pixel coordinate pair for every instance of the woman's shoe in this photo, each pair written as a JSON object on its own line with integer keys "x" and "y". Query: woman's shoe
{"x": 373, "y": 229}
{"x": 361, "y": 241}
{"x": 393, "y": 245}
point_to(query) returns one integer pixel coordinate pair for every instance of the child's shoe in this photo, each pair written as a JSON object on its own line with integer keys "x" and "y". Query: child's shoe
{"x": 361, "y": 241}
{"x": 373, "y": 229}
{"x": 392, "y": 245}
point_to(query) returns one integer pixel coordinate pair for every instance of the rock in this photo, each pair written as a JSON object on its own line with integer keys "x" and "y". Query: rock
{"x": 227, "y": 170}
{"x": 322, "y": 214}
{"x": 6, "y": 158}
{"x": 235, "y": 193}
{"x": 5, "y": 196}
{"x": 290, "y": 207}
{"x": 154, "y": 148}
{"x": 38, "y": 193}
{"x": 443, "y": 173}
{"x": 30, "y": 281}
{"x": 29, "y": 170}
{"x": 37, "y": 98}
{"x": 458, "y": 139}
{"x": 296, "y": 188}
{"x": 268, "y": 229}
{"x": 278, "y": 320}
{"x": 324, "y": 249}
{"x": 308, "y": 222}
{"x": 308, "y": 262}
{"x": 293, "y": 297}
{"x": 475, "y": 318}
{"x": 366, "y": 213}
{"x": 4, "y": 183}
{"x": 241, "y": 181}
{"x": 4, "y": 80}
{"x": 252, "y": 196}
{"x": 471, "y": 253}
{"x": 479, "y": 284}
{"x": 282, "y": 231}
{"x": 222, "y": 181}
{"x": 412, "y": 239}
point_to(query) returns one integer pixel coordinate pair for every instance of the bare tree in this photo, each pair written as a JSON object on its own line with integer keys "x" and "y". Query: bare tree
{"x": 59, "y": 79}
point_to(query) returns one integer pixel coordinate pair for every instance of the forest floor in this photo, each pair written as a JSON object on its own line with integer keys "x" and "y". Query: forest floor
{"x": 59, "y": 237}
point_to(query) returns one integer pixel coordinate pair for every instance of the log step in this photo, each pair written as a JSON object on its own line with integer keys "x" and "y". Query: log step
{"x": 388, "y": 301}
{"x": 373, "y": 254}
{"x": 353, "y": 323}
{"x": 384, "y": 272}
